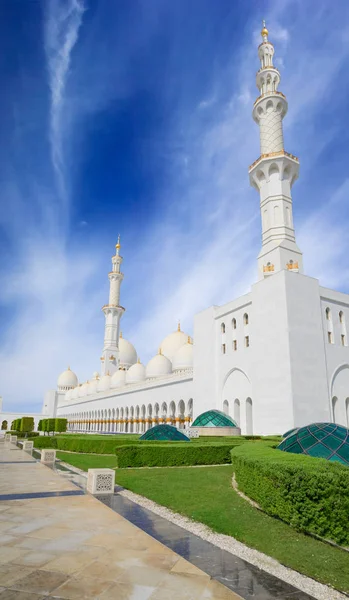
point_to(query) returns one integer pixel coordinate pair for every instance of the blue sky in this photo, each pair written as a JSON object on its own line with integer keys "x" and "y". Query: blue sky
{"x": 134, "y": 117}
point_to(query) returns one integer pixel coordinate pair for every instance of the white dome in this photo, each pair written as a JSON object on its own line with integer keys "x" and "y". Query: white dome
{"x": 104, "y": 383}
{"x": 135, "y": 373}
{"x": 118, "y": 379}
{"x": 158, "y": 366}
{"x": 183, "y": 359}
{"x": 92, "y": 386}
{"x": 173, "y": 342}
{"x": 67, "y": 380}
{"x": 127, "y": 353}
{"x": 83, "y": 389}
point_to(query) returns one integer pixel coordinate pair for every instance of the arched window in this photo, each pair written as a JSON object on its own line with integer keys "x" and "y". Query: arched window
{"x": 245, "y": 319}
{"x": 222, "y": 327}
{"x": 347, "y": 410}
{"x": 249, "y": 417}
{"x": 226, "y": 407}
{"x": 233, "y": 323}
{"x": 334, "y": 408}
{"x": 328, "y": 314}
{"x": 4, "y": 425}
{"x": 237, "y": 411}
{"x": 341, "y": 317}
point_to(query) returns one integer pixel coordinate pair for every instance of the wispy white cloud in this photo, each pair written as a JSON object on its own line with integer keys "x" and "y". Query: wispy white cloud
{"x": 63, "y": 21}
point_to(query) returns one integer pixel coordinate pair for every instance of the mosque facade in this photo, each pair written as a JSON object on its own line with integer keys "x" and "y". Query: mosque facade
{"x": 273, "y": 359}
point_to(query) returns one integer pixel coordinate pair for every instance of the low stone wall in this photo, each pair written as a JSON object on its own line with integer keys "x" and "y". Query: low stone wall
{"x": 218, "y": 431}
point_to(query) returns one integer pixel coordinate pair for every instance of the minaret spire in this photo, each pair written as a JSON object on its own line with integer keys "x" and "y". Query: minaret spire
{"x": 275, "y": 171}
{"x": 113, "y": 313}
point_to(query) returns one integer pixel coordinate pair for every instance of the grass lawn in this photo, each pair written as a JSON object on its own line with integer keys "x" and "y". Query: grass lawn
{"x": 205, "y": 494}
{"x": 88, "y": 461}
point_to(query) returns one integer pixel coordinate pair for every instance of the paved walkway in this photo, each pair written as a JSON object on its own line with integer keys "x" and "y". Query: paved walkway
{"x": 57, "y": 542}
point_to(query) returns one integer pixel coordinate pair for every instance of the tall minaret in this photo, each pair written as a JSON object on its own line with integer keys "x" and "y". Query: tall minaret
{"x": 113, "y": 312}
{"x": 274, "y": 172}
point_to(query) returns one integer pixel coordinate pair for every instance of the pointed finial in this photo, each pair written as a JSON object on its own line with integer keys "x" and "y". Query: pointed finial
{"x": 68, "y": 368}
{"x": 138, "y": 361}
{"x": 264, "y": 32}
{"x": 189, "y": 340}
{"x": 160, "y": 351}
{"x": 118, "y": 245}
{"x": 120, "y": 336}
{"x": 179, "y": 326}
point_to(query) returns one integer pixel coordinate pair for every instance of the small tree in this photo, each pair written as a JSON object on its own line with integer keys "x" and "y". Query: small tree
{"x": 40, "y": 425}
{"x": 61, "y": 425}
{"x": 16, "y": 425}
{"x": 51, "y": 425}
{"x": 27, "y": 424}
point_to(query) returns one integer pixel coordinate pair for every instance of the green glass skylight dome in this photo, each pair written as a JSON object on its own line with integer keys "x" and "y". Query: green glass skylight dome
{"x": 322, "y": 440}
{"x": 214, "y": 418}
{"x": 290, "y": 431}
{"x": 164, "y": 432}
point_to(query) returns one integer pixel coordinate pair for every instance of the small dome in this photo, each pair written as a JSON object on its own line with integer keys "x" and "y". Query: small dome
{"x": 183, "y": 358}
{"x": 127, "y": 353}
{"x": 92, "y": 386}
{"x": 135, "y": 373}
{"x": 164, "y": 432}
{"x": 104, "y": 383}
{"x": 173, "y": 342}
{"x": 118, "y": 379}
{"x": 158, "y": 366}
{"x": 321, "y": 440}
{"x": 213, "y": 418}
{"x": 67, "y": 380}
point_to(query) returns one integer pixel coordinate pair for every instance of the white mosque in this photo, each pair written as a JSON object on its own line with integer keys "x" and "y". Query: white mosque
{"x": 273, "y": 359}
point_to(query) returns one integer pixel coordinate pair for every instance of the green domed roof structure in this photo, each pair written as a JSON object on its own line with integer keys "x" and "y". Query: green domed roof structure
{"x": 321, "y": 440}
{"x": 290, "y": 431}
{"x": 163, "y": 433}
{"x": 213, "y": 418}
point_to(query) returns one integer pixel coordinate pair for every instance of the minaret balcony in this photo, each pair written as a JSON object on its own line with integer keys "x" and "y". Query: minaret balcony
{"x": 274, "y": 173}
{"x": 269, "y": 93}
{"x": 272, "y": 155}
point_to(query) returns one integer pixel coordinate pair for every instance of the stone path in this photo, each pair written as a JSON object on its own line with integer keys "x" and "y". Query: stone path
{"x": 58, "y": 542}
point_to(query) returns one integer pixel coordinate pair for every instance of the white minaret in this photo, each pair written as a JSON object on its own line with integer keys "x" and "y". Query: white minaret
{"x": 274, "y": 172}
{"x": 113, "y": 312}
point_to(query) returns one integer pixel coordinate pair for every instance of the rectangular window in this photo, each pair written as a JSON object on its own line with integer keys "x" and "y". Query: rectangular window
{"x": 247, "y": 341}
{"x": 223, "y": 348}
{"x": 343, "y": 339}
{"x": 235, "y": 345}
{"x": 329, "y": 337}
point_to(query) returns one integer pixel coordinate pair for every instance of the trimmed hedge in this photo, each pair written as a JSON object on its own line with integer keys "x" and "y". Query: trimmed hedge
{"x": 108, "y": 445}
{"x": 77, "y": 444}
{"x": 162, "y": 455}
{"x": 311, "y": 494}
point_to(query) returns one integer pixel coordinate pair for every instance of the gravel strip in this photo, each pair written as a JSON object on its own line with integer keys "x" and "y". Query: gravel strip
{"x": 230, "y": 544}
